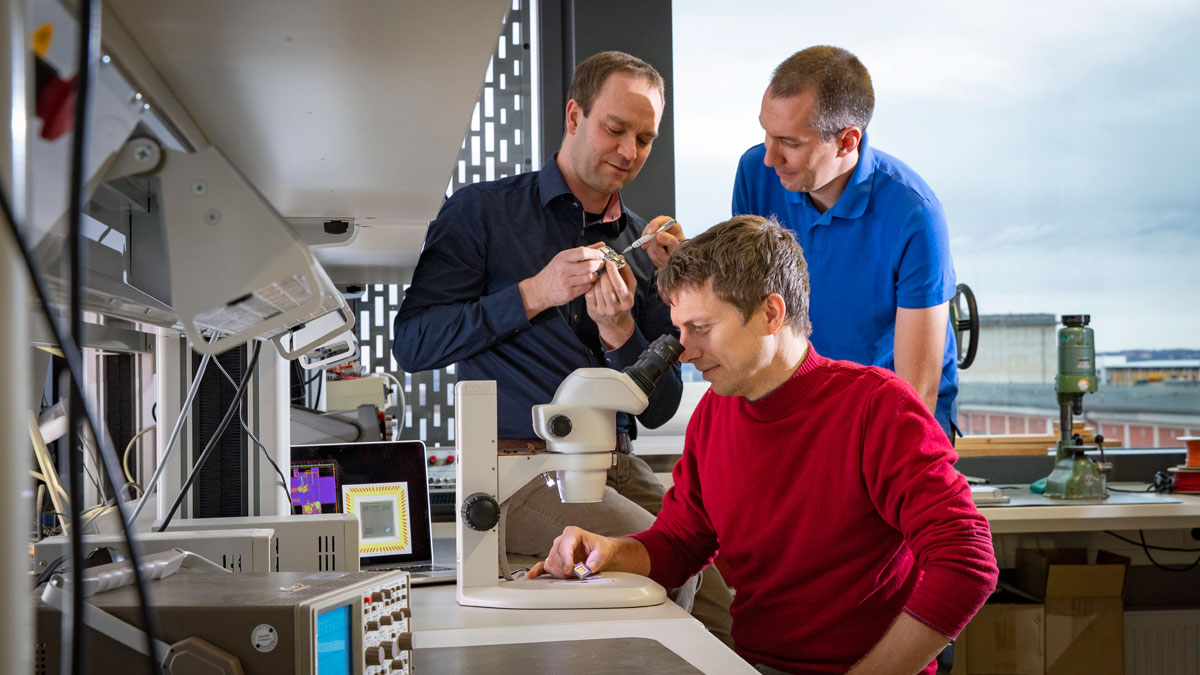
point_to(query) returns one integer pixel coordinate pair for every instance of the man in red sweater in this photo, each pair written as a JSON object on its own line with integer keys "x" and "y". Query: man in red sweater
{"x": 827, "y": 486}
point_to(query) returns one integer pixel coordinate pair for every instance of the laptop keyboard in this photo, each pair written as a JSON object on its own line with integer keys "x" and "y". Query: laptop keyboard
{"x": 426, "y": 567}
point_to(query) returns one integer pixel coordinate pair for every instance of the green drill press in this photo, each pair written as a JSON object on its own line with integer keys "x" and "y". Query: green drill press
{"x": 1075, "y": 475}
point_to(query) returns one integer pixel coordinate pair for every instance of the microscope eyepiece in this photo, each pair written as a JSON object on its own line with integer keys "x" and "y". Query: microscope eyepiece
{"x": 656, "y": 360}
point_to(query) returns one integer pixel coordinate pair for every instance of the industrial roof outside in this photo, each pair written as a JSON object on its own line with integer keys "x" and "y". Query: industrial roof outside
{"x": 1159, "y": 364}
{"x": 1180, "y": 399}
{"x": 1018, "y": 320}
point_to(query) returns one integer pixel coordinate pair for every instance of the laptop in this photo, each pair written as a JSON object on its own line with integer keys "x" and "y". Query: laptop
{"x": 385, "y": 486}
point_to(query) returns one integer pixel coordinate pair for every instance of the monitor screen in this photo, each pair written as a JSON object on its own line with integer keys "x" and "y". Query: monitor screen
{"x": 335, "y": 651}
{"x": 383, "y": 484}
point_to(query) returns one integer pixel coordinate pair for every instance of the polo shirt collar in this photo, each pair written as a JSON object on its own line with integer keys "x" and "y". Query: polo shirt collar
{"x": 853, "y": 202}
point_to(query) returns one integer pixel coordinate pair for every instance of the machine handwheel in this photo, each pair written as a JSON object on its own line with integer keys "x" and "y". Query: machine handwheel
{"x": 965, "y": 320}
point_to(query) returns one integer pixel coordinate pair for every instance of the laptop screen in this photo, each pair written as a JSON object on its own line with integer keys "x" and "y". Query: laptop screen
{"x": 383, "y": 484}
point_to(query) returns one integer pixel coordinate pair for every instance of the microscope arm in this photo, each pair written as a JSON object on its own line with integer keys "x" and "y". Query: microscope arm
{"x": 517, "y": 470}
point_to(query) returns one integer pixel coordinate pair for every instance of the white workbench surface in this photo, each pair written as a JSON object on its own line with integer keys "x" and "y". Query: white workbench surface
{"x": 439, "y": 621}
{"x": 1096, "y": 517}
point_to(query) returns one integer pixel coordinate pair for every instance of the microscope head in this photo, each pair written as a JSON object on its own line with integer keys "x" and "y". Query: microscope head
{"x": 582, "y": 418}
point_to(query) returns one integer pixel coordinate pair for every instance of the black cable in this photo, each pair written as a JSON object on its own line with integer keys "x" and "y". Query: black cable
{"x": 1186, "y": 568}
{"x": 1143, "y": 543}
{"x": 267, "y": 455}
{"x": 45, "y": 574}
{"x": 212, "y": 442}
{"x": 89, "y": 41}
{"x": 74, "y": 360}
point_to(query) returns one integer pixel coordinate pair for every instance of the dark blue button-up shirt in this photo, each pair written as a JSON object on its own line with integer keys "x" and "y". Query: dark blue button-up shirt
{"x": 464, "y": 305}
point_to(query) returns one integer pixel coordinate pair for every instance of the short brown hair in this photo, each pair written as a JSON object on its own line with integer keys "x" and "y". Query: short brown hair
{"x": 841, "y": 83}
{"x": 591, "y": 75}
{"x": 747, "y": 258}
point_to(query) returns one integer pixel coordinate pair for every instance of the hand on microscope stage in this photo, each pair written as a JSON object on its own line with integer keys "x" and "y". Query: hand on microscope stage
{"x": 664, "y": 243}
{"x": 610, "y": 304}
{"x": 567, "y": 276}
{"x": 572, "y": 546}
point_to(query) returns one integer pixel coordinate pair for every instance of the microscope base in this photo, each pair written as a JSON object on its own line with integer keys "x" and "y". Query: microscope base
{"x": 605, "y": 590}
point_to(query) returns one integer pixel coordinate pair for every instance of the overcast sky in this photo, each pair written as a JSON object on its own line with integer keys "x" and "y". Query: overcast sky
{"x": 1060, "y": 136}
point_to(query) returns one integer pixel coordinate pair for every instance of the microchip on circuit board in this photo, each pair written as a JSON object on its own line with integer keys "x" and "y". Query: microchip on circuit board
{"x": 612, "y": 256}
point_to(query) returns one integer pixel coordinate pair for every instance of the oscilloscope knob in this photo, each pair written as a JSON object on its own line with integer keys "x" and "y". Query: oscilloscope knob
{"x": 480, "y": 511}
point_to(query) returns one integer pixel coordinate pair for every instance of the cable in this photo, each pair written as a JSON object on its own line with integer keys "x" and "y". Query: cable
{"x": 320, "y": 388}
{"x": 212, "y": 442}
{"x": 183, "y": 415}
{"x": 96, "y": 516}
{"x": 74, "y": 359}
{"x": 92, "y": 477}
{"x": 128, "y": 448}
{"x": 88, "y": 55}
{"x": 400, "y": 404}
{"x": 46, "y": 464}
{"x": 242, "y": 421}
{"x": 283, "y": 482}
{"x": 1151, "y": 546}
{"x": 1185, "y": 568}
{"x": 39, "y": 503}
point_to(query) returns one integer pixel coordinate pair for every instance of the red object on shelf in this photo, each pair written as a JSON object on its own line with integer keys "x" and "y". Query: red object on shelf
{"x": 449, "y": 459}
{"x": 55, "y": 104}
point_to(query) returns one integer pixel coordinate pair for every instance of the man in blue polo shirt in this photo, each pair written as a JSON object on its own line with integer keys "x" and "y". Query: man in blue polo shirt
{"x": 511, "y": 287}
{"x": 873, "y": 232}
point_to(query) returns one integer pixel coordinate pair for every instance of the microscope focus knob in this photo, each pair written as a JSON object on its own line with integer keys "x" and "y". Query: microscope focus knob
{"x": 560, "y": 426}
{"x": 480, "y": 511}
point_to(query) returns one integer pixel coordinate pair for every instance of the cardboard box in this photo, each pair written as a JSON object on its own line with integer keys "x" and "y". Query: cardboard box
{"x": 1084, "y": 615}
{"x": 1004, "y": 638}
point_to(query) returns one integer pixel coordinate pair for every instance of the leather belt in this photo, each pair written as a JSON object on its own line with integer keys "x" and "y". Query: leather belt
{"x": 624, "y": 446}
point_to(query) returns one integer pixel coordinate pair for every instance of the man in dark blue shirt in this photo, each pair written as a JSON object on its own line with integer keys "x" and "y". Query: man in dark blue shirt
{"x": 511, "y": 287}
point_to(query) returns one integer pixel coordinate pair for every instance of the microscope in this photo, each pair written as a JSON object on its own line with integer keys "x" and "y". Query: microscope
{"x": 1075, "y": 475}
{"x": 579, "y": 427}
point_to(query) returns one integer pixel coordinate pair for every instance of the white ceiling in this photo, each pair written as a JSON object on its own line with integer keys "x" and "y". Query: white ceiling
{"x": 352, "y": 108}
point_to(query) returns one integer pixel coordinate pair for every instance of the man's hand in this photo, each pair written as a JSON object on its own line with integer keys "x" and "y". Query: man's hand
{"x": 572, "y": 546}
{"x": 664, "y": 244}
{"x": 567, "y": 276}
{"x": 610, "y": 304}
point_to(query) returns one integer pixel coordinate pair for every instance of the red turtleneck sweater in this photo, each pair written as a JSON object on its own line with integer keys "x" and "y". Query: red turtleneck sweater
{"x": 836, "y": 505}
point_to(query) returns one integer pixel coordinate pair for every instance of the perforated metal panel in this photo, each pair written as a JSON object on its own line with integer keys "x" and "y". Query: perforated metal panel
{"x": 499, "y": 143}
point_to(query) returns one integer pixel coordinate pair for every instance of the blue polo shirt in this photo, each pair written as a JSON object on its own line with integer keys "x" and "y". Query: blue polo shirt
{"x": 464, "y": 305}
{"x": 884, "y": 244}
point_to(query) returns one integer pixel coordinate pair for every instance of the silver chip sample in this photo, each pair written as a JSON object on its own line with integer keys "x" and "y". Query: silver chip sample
{"x": 612, "y": 256}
